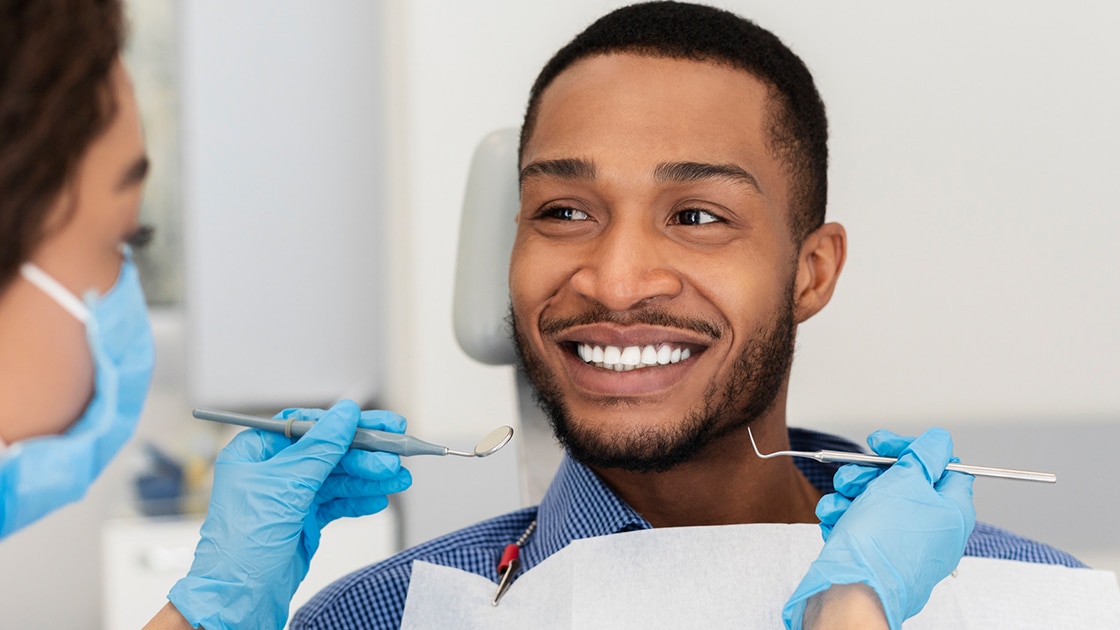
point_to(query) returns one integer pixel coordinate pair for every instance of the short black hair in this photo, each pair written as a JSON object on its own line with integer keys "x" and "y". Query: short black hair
{"x": 676, "y": 30}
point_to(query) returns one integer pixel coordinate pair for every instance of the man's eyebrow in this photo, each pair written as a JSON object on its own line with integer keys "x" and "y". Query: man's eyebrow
{"x": 684, "y": 172}
{"x": 566, "y": 168}
{"x": 135, "y": 173}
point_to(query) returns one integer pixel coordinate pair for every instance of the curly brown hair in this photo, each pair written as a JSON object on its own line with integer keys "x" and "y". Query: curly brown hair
{"x": 55, "y": 99}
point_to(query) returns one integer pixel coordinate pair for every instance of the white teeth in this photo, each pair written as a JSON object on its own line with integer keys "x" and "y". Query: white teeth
{"x": 612, "y": 355}
{"x": 629, "y": 358}
{"x": 631, "y": 355}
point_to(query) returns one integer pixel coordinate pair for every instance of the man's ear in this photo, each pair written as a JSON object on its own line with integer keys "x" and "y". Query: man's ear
{"x": 818, "y": 266}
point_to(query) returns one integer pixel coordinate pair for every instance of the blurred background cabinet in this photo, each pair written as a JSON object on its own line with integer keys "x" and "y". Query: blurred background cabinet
{"x": 283, "y": 162}
{"x": 143, "y": 558}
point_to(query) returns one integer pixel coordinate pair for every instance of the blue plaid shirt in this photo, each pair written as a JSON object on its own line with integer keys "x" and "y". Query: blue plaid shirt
{"x": 577, "y": 505}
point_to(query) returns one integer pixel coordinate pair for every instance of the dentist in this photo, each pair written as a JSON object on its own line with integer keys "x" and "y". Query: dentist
{"x": 76, "y": 350}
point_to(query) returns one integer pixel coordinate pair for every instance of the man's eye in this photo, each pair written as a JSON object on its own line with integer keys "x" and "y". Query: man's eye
{"x": 565, "y": 213}
{"x": 696, "y": 217}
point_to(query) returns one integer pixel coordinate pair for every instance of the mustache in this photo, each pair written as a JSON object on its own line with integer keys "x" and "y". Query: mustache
{"x": 598, "y": 314}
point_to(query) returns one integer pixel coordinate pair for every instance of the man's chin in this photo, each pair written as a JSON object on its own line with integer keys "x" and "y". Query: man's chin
{"x": 641, "y": 449}
{"x": 750, "y": 390}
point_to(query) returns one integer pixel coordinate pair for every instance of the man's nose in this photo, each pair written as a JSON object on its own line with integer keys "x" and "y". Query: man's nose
{"x": 629, "y": 263}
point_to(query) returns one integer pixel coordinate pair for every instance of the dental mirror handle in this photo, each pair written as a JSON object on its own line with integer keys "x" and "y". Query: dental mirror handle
{"x": 364, "y": 439}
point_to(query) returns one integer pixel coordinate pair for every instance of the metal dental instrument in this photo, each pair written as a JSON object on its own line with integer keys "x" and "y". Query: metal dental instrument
{"x": 364, "y": 439}
{"x": 860, "y": 458}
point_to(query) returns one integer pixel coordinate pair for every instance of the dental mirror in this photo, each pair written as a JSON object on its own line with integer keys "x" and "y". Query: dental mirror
{"x": 491, "y": 443}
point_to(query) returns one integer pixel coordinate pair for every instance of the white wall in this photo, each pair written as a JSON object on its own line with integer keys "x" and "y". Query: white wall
{"x": 972, "y": 164}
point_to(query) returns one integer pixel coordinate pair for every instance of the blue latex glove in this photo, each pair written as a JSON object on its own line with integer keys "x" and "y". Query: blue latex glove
{"x": 271, "y": 498}
{"x": 899, "y": 530}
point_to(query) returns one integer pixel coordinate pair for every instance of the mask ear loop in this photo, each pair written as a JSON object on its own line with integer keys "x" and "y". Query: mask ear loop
{"x": 54, "y": 289}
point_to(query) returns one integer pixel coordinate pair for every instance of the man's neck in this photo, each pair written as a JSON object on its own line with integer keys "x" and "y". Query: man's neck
{"x": 726, "y": 483}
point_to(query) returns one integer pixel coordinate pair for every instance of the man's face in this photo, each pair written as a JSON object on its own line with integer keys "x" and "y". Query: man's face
{"x": 651, "y": 278}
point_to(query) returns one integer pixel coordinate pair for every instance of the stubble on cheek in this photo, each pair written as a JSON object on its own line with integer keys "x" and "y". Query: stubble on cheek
{"x": 643, "y": 448}
{"x": 750, "y": 389}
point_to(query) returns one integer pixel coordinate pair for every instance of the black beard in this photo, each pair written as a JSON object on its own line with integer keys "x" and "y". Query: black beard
{"x": 755, "y": 381}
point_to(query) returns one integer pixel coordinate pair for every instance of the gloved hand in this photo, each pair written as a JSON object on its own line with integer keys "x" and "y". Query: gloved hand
{"x": 900, "y": 530}
{"x": 271, "y": 498}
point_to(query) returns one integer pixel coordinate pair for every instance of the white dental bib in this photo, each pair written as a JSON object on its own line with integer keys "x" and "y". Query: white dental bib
{"x": 736, "y": 576}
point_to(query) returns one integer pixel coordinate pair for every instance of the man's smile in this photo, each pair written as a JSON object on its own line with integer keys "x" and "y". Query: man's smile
{"x": 622, "y": 361}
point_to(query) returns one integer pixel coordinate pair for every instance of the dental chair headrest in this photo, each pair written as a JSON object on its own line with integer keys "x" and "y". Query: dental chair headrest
{"x": 486, "y": 234}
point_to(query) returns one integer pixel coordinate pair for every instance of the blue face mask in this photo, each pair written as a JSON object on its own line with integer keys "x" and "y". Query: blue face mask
{"x": 41, "y": 474}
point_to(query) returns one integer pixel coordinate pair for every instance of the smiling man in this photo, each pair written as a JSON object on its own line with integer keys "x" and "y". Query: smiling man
{"x": 661, "y": 265}
{"x": 671, "y": 238}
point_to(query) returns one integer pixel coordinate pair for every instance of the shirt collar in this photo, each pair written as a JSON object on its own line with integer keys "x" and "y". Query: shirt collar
{"x": 579, "y": 505}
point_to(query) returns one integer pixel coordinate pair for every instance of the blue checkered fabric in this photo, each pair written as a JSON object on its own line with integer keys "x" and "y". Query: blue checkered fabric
{"x": 577, "y": 505}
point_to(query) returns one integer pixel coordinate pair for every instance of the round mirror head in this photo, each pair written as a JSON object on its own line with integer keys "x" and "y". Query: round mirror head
{"x": 493, "y": 442}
